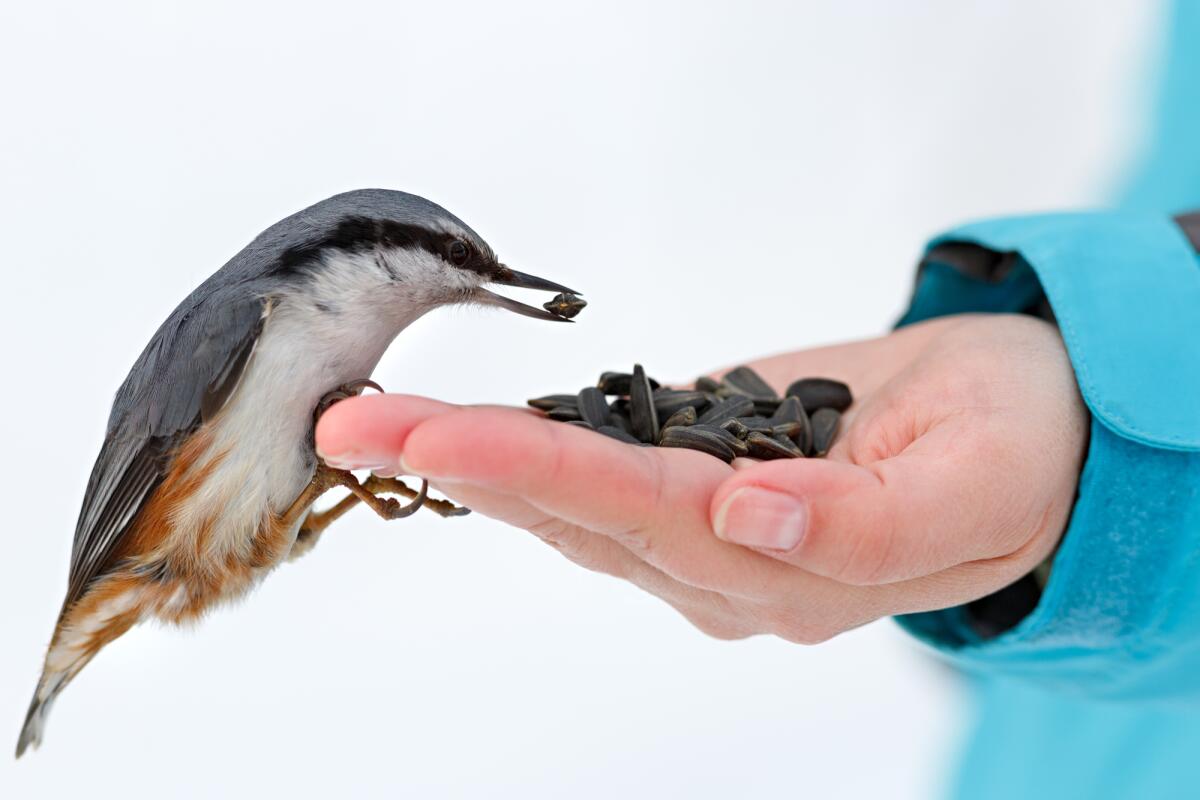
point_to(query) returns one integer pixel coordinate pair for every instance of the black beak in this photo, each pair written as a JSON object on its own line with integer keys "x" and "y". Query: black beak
{"x": 510, "y": 277}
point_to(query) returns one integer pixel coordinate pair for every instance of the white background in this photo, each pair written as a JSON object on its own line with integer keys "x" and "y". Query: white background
{"x": 720, "y": 181}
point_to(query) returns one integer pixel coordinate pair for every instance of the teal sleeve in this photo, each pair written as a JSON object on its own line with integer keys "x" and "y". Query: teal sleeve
{"x": 1120, "y": 614}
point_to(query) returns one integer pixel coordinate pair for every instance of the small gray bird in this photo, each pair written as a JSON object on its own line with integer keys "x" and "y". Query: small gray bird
{"x": 208, "y": 474}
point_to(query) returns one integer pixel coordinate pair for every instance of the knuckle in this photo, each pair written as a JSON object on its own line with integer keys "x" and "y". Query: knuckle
{"x": 717, "y": 627}
{"x": 798, "y": 629}
{"x": 640, "y": 541}
{"x": 576, "y": 545}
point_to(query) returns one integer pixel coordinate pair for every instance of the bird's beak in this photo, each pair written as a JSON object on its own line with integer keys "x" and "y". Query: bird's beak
{"x": 510, "y": 277}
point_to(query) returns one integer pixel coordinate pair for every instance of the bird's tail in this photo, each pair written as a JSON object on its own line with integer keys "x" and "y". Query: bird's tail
{"x": 81, "y": 632}
{"x": 48, "y": 688}
{"x": 35, "y": 724}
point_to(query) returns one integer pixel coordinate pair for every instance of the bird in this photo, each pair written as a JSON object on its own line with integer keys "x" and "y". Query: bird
{"x": 208, "y": 472}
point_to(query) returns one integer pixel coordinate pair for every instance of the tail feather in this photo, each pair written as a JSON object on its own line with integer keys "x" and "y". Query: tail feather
{"x": 82, "y": 630}
{"x": 35, "y": 723}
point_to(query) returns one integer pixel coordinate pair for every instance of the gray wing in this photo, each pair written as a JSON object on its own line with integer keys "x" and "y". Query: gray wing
{"x": 183, "y": 377}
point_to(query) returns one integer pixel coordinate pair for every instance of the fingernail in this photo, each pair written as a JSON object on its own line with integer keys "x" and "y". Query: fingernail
{"x": 756, "y": 517}
{"x": 354, "y": 460}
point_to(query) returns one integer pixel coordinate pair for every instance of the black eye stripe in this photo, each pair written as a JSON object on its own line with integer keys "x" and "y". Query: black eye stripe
{"x": 355, "y": 234}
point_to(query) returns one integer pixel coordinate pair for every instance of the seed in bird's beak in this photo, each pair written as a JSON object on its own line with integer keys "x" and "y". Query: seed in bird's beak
{"x": 565, "y": 305}
{"x": 510, "y": 277}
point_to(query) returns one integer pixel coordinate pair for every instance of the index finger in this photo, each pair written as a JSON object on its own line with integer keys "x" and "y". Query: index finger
{"x": 653, "y": 501}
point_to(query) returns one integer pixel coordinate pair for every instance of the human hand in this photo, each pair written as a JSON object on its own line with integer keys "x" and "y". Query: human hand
{"x": 954, "y": 476}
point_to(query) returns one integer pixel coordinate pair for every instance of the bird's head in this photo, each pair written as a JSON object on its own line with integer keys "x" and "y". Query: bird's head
{"x": 386, "y": 247}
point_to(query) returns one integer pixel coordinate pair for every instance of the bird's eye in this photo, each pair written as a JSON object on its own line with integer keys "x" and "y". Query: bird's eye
{"x": 459, "y": 253}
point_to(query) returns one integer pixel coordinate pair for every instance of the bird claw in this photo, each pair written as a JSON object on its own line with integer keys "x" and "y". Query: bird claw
{"x": 344, "y": 392}
{"x": 393, "y": 509}
{"x": 377, "y": 484}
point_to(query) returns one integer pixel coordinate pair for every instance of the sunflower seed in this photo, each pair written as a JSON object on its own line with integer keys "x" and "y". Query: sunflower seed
{"x": 619, "y": 420}
{"x": 668, "y": 401}
{"x": 768, "y": 447}
{"x": 817, "y": 393}
{"x": 741, "y": 415}
{"x": 564, "y": 413}
{"x": 641, "y": 406}
{"x": 786, "y": 429}
{"x": 732, "y": 442}
{"x": 792, "y": 410}
{"x": 824, "y": 425}
{"x": 552, "y": 401}
{"x": 789, "y": 445}
{"x": 693, "y": 439}
{"x": 737, "y": 405}
{"x": 750, "y": 383}
{"x": 565, "y": 305}
{"x": 684, "y": 416}
{"x": 618, "y": 382}
{"x": 765, "y": 406}
{"x": 617, "y": 433}
{"x": 736, "y": 427}
{"x": 593, "y": 407}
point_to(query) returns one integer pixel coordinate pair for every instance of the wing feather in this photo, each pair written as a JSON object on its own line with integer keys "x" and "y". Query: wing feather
{"x": 185, "y": 375}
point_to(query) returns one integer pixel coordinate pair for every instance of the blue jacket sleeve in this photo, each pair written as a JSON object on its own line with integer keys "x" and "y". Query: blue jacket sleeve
{"x": 1120, "y": 614}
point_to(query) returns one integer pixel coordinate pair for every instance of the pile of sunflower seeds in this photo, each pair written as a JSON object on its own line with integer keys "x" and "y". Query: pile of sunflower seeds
{"x": 740, "y": 415}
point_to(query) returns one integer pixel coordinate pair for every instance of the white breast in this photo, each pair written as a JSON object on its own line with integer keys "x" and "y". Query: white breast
{"x": 331, "y": 331}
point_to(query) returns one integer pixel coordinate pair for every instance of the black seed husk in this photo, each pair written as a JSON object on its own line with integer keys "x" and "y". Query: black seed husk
{"x": 565, "y": 305}
{"x": 817, "y": 393}
{"x": 620, "y": 421}
{"x": 693, "y": 439}
{"x": 765, "y": 407}
{"x": 736, "y": 427}
{"x": 617, "y": 433}
{"x": 732, "y": 442}
{"x": 668, "y": 401}
{"x": 564, "y": 413}
{"x": 593, "y": 407}
{"x": 789, "y": 444}
{"x": 551, "y": 401}
{"x": 734, "y": 406}
{"x": 684, "y": 416}
{"x": 618, "y": 382}
{"x": 641, "y": 406}
{"x": 768, "y": 447}
{"x": 824, "y": 425}
{"x": 738, "y": 416}
{"x": 750, "y": 383}
{"x": 792, "y": 410}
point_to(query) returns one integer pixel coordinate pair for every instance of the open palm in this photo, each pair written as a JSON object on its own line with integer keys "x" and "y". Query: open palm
{"x": 954, "y": 476}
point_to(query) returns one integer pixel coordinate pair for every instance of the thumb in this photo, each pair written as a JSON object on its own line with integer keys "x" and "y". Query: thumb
{"x": 933, "y": 506}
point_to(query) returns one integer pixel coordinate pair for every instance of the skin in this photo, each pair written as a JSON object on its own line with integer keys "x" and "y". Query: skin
{"x": 953, "y": 476}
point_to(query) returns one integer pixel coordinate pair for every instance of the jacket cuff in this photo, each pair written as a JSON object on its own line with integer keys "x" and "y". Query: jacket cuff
{"x": 1120, "y": 614}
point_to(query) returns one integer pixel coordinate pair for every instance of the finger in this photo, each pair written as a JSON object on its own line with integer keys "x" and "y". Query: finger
{"x": 929, "y": 508}
{"x": 652, "y": 501}
{"x": 708, "y": 611}
{"x": 368, "y": 432}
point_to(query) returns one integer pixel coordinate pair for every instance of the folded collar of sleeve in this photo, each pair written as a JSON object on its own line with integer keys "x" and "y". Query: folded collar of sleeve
{"x": 1125, "y": 289}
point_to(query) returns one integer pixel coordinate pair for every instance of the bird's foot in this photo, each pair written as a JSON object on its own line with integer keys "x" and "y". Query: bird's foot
{"x": 344, "y": 392}
{"x": 381, "y": 485}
